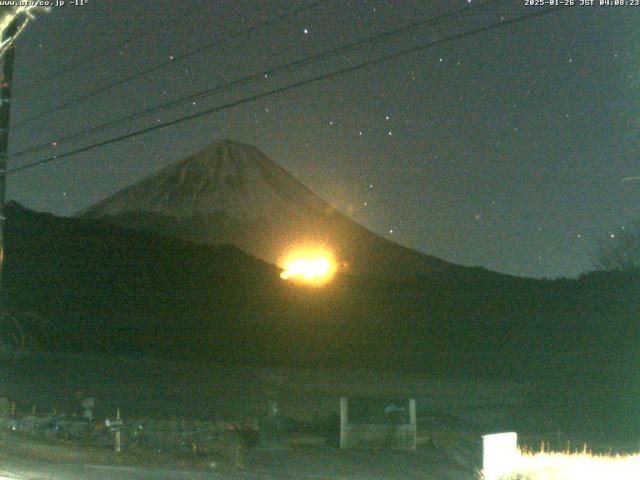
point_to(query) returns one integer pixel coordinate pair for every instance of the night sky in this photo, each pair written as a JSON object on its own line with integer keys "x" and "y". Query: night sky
{"x": 514, "y": 149}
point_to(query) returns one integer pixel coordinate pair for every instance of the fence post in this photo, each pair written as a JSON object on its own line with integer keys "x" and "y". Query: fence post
{"x": 344, "y": 422}
{"x": 413, "y": 421}
{"x": 118, "y": 444}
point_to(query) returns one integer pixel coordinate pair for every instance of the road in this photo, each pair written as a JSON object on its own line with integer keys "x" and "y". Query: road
{"x": 22, "y": 470}
{"x": 309, "y": 464}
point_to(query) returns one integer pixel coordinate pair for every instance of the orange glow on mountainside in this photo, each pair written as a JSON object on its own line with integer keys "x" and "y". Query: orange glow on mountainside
{"x": 314, "y": 266}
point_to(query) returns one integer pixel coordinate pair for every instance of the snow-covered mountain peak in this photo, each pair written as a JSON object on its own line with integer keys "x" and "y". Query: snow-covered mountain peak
{"x": 228, "y": 177}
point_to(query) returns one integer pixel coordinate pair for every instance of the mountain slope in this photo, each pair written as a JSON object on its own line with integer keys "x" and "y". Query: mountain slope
{"x": 233, "y": 193}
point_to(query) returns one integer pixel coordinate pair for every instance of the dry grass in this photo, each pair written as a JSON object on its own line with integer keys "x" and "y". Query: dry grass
{"x": 575, "y": 466}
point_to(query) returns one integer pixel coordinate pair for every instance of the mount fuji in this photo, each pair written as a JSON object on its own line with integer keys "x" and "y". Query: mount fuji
{"x": 232, "y": 193}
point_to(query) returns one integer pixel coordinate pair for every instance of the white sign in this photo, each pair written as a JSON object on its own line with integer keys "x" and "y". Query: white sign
{"x": 499, "y": 455}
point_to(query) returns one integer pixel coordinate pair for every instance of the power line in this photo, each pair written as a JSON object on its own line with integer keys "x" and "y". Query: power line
{"x": 290, "y": 87}
{"x": 73, "y": 66}
{"x": 260, "y": 75}
{"x": 359, "y": 66}
{"x": 173, "y": 60}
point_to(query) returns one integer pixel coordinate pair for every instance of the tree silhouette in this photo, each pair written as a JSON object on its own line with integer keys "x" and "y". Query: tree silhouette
{"x": 620, "y": 250}
{"x": 8, "y": 15}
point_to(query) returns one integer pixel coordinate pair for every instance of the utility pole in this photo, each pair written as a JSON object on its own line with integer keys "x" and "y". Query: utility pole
{"x": 5, "y": 111}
